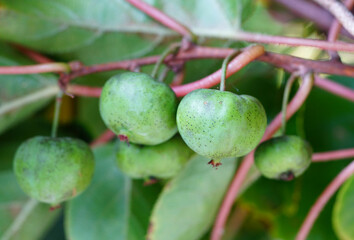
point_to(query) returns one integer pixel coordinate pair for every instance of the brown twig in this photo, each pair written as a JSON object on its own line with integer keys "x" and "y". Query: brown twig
{"x": 334, "y": 155}
{"x": 323, "y": 199}
{"x": 292, "y": 64}
{"x": 289, "y": 63}
{"x": 163, "y": 19}
{"x": 247, "y": 162}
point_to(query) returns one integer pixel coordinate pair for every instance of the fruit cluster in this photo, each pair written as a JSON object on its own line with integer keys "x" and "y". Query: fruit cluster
{"x": 146, "y": 115}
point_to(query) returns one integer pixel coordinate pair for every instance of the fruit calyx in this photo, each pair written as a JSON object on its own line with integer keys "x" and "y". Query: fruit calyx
{"x": 150, "y": 181}
{"x": 215, "y": 163}
{"x": 123, "y": 138}
{"x": 54, "y": 207}
{"x": 287, "y": 176}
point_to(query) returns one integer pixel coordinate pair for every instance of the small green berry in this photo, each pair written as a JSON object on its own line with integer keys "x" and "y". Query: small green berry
{"x": 162, "y": 161}
{"x": 140, "y": 108}
{"x": 283, "y": 157}
{"x": 53, "y": 170}
{"x": 218, "y": 124}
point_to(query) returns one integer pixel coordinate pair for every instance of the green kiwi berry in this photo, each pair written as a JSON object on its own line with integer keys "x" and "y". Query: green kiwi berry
{"x": 218, "y": 124}
{"x": 53, "y": 170}
{"x": 161, "y": 161}
{"x": 283, "y": 157}
{"x": 136, "y": 106}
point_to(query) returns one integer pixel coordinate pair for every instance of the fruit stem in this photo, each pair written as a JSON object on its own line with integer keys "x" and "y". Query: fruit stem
{"x": 225, "y": 63}
{"x": 288, "y": 86}
{"x": 20, "y": 219}
{"x": 172, "y": 49}
{"x": 56, "y": 113}
{"x": 163, "y": 75}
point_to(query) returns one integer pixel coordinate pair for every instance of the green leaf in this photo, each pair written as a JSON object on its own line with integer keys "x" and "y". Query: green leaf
{"x": 343, "y": 218}
{"x": 262, "y": 15}
{"x": 142, "y": 203}
{"x": 12, "y": 203}
{"x": 188, "y": 204}
{"x": 58, "y": 26}
{"x": 21, "y": 95}
{"x": 102, "y": 211}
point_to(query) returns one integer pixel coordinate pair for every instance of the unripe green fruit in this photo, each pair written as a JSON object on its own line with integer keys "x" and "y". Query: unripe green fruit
{"x": 219, "y": 124}
{"x": 162, "y": 161}
{"x": 135, "y": 105}
{"x": 53, "y": 170}
{"x": 283, "y": 157}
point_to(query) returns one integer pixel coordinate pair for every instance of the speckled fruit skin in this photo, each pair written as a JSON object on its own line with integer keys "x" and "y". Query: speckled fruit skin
{"x": 162, "y": 161}
{"x": 280, "y": 155}
{"x": 218, "y": 124}
{"x": 137, "y": 106}
{"x": 53, "y": 170}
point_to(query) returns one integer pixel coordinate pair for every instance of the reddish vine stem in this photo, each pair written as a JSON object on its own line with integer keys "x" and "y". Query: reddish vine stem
{"x": 247, "y": 162}
{"x": 102, "y": 139}
{"x": 333, "y": 155}
{"x": 236, "y": 64}
{"x": 313, "y": 12}
{"x": 335, "y": 88}
{"x": 323, "y": 199}
{"x": 84, "y": 91}
{"x": 164, "y": 19}
{"x": 335, "y": 29}
{"x": 336, "y": 26}
{"x": 289, "y": 63}
{"x": 38, "y": 68}
{"x": 290, "y": 41}
{"x": 35, "y": 56}
{"x": 179, "y": 77}
{"x": 343, "y": 15}
{"x": 323, "y": 83}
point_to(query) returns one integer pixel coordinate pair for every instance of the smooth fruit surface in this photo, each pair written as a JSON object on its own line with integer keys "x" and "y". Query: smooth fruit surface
{"x": 53, "y": 170}
{"x": 283, "y": 157}
{"x": 162, "y": 161}
{"x": 219, "y": 124}
{"x": 135, "y": 105}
